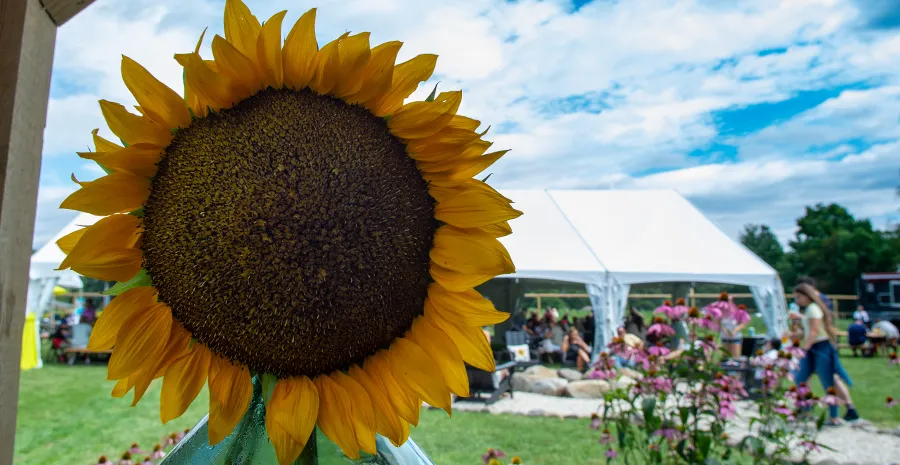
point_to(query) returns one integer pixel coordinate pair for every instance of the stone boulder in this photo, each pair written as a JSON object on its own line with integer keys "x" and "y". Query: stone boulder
{"x": 570, "y": 374}
{"x": 549, "y": 386}
{"x": 539, "y": 371}
{"x": 630, "y": 373}
{"x": 523, "y": 382}
{"x": 587, "y": 389}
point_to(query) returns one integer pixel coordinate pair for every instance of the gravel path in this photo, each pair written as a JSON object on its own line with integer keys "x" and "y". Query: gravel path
{"x": 859, "y": 443}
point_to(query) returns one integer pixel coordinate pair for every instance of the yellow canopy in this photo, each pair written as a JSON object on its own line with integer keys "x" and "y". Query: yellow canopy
{"x": 59, "y": 290}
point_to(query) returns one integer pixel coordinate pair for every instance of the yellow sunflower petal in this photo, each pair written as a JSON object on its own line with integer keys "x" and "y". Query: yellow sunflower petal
{"x": 103, "y": 145}
{"x": 335, "y": 416}
{"x": 67, "y": 242}
{"x": 378, "y": 367}
{"x": 470, "y": 341}
{"x": 498, "y": 230}
{"x": 122, "y": 387}
{"x": 415, "y": 370}
{"x": 213, "y": 89}
{"x": 447, "y": 359}
{"x": 449, "y": 136}
{"x": 442, "y": 193}
{"x": 463, "y": 170}
{"x": 436, "y": 158}
{"x": 268, "y": 51}
{"x": 328, "y": 65}
{"x": 119, "y": 310}
{"x": 157, "y": 101}
{"x": 363, "y": 414}
{"x": 354, "y": 53}
{"x": 241, "y": 27}
{"x": 291, "y": 416}
{"x": 466, "y": 308}
{"x": 422, "y": 119}
{"x": 405, "y": 80}
{"x": 387, "y": 423}
{"x": 376, "y": 76}
{"x": 299, "y": 53}
{"x": 474, "y": 209}
{"x": 139, "y": 159}
{"x": 470, "y": 251}
{"x": 177, "y": 346}
{"x": 234, "y": 64}
{"x": 184, "y": 379}
{"x": 140, "y": 340}
{"x": 230, "y": 391}
{"x": 131, "y": 128}
{"x": 456, "y": 281}
{"x": 113, "y": 193}
{"x": 105, "y": 249}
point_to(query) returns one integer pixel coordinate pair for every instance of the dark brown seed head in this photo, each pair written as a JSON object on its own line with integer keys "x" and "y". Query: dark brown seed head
{"x": 290, "y": 233}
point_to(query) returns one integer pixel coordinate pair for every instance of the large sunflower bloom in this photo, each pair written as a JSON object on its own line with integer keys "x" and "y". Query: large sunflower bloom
{"x": 290, "y": 217}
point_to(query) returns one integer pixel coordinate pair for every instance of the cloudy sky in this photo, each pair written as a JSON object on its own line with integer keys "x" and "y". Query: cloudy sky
{"x": 752, "y": 109}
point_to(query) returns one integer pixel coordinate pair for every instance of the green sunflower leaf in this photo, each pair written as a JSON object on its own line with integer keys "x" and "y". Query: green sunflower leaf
{"x": 433, "y": 93}
{"x": 138, "y": 213}
{"x": 268, "y": 386}
{"x": 140, "y": 279}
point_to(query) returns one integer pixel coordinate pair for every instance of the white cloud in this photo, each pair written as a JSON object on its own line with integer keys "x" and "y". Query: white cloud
{"x": 656, "y": 70}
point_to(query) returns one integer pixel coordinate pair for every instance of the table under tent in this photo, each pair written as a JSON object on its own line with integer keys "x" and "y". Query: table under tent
{"x": 608, "y": 240}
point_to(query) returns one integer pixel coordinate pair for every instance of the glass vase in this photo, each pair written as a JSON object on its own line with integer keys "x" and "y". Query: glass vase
{"x": 249, "y": 444}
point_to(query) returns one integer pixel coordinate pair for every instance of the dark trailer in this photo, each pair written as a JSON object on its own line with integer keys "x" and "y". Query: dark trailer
{"x": 879, "y": 294}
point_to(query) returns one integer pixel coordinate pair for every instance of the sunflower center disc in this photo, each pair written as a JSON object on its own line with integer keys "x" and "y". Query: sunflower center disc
{"x": 290, "y": 233}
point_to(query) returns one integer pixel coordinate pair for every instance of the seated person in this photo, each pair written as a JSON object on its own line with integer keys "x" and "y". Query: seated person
{"x": 862, "y": 315}
{"x": 890, "y": 332}
{"x": 856, "y": 336}
{"x": 576, "y": 349}
{"x": 553, "y": 337}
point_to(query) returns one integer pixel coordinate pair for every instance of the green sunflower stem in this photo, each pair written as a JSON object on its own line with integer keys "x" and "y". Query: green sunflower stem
{"x": 310, "y": 454}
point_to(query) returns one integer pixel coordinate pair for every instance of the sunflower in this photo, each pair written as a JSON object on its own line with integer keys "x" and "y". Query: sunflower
{"x": 291, "y": 218}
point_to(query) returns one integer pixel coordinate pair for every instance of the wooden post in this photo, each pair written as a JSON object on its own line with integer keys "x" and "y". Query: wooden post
{"x": 27, "y": 39}
{"x": 539, "y": 305}
{"x": 693, "y": 297}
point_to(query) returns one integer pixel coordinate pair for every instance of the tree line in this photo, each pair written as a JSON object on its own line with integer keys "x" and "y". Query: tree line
{"x": 830, "y": 245}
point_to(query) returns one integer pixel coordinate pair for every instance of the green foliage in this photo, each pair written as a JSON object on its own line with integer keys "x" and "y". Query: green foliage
{"x": 830, "y": 245}
{"x": 760, "y": 239}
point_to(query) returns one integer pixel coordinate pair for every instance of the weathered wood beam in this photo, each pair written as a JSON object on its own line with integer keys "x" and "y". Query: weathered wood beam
{"x": 27, "y": 38}
{"x": 61, "y": 11}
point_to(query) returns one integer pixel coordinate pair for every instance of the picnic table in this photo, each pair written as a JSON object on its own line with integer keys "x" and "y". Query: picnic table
{"x": 878, "y": 340}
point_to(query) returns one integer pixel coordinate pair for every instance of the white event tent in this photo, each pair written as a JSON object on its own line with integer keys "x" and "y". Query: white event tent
{"x": 611, "y": 239}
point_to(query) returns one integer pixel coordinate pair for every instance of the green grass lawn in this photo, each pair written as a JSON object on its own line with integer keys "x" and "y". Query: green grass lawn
{"x": 67, "y": 416}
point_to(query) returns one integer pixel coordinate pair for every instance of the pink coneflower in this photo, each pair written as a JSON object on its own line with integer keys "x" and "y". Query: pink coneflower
{"x": 157, "y": 452}
{"x": 670, "y": 434}
{"x": 830, "y": 397}
{"x": 126, "y": 459}
{"x": 782, "y": 409}
{"x": 135, "y": 449}
{"x": 740, "y": 314}
{"x": 595, "y": 421}
{"x": 147, "y": 461}
{"x": 709, "y": 322}
{"x": 810, "y": 445}
{"x": 660, "y": 329}
{"x": 658, "y": 350}
{"x": 890, "y": 402}
{"x": 170, "y": 440}
{"x": 103, "y": 461}
{"x": 893, "y": 359}
{"x": 606, "y": 437}
{"x": 727, "y": 410}
{"x": 610, "y": 454}
{"x": 492, "y": 454}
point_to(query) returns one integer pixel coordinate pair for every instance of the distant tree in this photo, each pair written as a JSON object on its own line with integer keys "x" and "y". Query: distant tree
{"x": 835, "y": 248}
{"x": 760, "y": 239}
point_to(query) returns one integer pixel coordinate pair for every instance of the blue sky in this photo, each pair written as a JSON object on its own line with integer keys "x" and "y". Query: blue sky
{"x": 751, "y": 109}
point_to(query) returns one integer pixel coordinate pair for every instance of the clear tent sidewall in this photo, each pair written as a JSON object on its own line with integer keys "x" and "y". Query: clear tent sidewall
{"x": 609, "y": 300}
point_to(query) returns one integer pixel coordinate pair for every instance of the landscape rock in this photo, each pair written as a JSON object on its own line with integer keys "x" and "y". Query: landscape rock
{"x": 523, "y": 382}
{"x": 570, "y": 374}
{"x": 549, "y": 386}
{"x": 539, "y": 371}
{"x": 625, "y": 382}
{"x": 630, "y": 373}
{"x": 587, "y": 389}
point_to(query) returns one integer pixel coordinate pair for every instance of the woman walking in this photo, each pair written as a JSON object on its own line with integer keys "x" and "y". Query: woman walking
{"x": 819, "y": 335}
